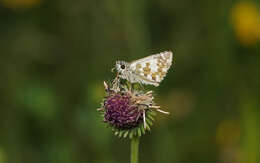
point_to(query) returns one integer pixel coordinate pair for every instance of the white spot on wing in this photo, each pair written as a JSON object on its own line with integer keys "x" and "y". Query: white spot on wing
{"x": 149, "y": 77}
{"x": 164, "y": 69}
{"x": 153, "y": 65}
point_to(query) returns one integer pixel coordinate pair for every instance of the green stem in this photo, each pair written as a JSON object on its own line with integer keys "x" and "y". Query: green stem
{"x": 134, "y": 149}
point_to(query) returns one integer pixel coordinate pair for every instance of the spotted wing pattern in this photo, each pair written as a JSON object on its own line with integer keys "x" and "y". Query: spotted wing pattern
{"x": 152, "y": 69}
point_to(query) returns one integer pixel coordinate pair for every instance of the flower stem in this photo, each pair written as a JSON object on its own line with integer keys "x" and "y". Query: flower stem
{"x": 134, "y": 149}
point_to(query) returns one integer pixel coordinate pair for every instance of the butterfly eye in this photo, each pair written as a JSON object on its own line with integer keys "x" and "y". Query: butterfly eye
{"x": 122, "y": 66}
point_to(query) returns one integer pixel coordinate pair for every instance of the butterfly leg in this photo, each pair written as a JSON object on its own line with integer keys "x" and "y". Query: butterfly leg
{"x": 131, "y": 87}
{"x": 141, "y": 86}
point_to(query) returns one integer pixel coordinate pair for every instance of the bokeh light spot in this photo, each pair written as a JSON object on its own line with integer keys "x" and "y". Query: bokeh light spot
{"x": 245, "y": 17}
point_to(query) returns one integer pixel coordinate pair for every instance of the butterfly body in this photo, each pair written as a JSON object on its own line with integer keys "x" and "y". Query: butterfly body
{"x": 149, "y": 70}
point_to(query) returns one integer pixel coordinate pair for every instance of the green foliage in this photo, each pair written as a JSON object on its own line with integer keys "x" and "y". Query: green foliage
{"x": 55, "y": 55}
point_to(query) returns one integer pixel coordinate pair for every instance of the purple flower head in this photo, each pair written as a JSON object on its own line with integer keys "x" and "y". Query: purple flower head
{"x": 121, "y": 113}
{"x": 128, "y": 111}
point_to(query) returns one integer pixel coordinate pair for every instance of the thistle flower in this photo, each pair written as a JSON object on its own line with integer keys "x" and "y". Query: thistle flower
{"x": 121, "y": 113}
{"x": 129, "y": 112}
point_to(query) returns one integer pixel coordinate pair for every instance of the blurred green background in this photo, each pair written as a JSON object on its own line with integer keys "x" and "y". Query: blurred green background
{"x": 55, "y": 55}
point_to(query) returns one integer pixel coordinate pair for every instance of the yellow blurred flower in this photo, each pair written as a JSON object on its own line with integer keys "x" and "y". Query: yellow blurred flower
{"x": 20, "y": 4}
{"x": 228, "y": 133}
{"x": 228, "y": 136}
{"x": 245, "y": 17}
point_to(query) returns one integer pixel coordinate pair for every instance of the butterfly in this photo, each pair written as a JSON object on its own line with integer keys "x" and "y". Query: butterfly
{"x": 150, "y": 70}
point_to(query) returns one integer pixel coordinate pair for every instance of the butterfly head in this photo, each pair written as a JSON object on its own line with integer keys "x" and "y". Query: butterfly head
{"x": 122, "y": 66}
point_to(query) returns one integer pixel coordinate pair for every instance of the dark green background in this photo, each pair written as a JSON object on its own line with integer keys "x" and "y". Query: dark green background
{"x": 54, "y": 57}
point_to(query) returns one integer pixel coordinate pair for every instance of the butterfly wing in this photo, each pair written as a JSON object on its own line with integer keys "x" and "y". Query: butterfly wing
{"x": 152, "y": 69}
